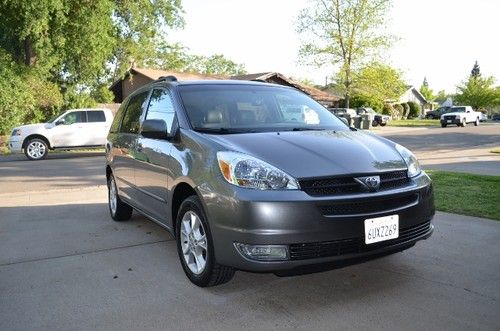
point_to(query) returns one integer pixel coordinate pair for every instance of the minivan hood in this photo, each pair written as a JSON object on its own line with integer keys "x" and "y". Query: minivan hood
{"x": 309, "y": 154}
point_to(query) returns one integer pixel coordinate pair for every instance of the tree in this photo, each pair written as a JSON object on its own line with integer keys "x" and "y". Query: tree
{"x": 343, "y": 33}
{"x": 476, "y": 71}
{"x": 216, "y": 64}
{"x": 426, "y": 91}
{"x": 478, "y": 91}
{"x": 375, "y": 84}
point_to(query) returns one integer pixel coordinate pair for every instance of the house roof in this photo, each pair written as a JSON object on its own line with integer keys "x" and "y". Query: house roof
{"x": 417, "y": 93}
{"x": 274, "y": 76}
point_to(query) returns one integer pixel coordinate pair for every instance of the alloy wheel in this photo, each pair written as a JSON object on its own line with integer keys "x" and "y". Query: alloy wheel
{"x": 36, "y": 150}
{"x": 112, "y": 196}
{"x": 193, "y": 242}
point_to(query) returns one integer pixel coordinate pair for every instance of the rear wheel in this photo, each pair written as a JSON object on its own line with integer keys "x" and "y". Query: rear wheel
{"x": 118, "y": 209}
{"x": 195, "y": 246}
{"x": 36, "y": 149}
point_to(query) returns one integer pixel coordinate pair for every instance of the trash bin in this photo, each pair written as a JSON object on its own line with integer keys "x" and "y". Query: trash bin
{"x": 366, "y": 121}
{"x": 356, "y": 122}
{"x": 348, "y": 119}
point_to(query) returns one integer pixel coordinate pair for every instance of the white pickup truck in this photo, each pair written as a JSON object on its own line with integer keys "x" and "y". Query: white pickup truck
{"x": 460, "y": 115}
{"x": 76, "y": 128}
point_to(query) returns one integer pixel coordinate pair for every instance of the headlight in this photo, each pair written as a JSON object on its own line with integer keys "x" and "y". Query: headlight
{"x": 410, "y": 160}
{"x": 457, "y": 117}
{"x": 16, "y": 132}
{"x": 247, "y": 171}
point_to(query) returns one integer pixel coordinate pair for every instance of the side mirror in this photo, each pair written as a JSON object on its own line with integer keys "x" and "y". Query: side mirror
{"x": 155, "y": 129}
{"x": 61, "y": 121}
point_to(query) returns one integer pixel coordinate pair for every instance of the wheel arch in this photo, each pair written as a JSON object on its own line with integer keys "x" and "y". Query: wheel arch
{"x": 36, "y": 136}
{"x": 181, "y": 191}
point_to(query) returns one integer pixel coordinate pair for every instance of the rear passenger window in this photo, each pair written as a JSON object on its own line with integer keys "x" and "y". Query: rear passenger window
{"x": 161, "y": 107}
{"x": 96, "y": 116}
{"x": 131, "y": 119}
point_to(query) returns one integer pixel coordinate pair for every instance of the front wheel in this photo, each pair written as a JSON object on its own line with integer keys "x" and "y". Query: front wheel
{"x": 443, "y": 125}
{"x": 118, "y": 209}
{"x": 195, "y": 246}
{"x": 476, "y": 123}
{"x": 464, "y": 123}
{"x": 36, "y": 149}
{"x": 383, "y": 124}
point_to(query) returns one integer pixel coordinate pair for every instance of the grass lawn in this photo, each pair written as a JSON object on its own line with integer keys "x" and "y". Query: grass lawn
{"x": 467, "y": 194}
{"x": 495, "y": 150}
{"x": 414, "y": 123}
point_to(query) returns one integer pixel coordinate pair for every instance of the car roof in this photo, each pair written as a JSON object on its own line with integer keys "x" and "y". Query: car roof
{"x": 223, "y": 82}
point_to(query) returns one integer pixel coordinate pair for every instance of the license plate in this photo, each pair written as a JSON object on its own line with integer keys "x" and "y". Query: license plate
{"x": 449, "y": 121}
{"x": 381, "y": 229}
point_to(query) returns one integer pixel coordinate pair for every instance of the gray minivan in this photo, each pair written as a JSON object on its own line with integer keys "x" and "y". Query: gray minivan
{"x": 260, "y": 177}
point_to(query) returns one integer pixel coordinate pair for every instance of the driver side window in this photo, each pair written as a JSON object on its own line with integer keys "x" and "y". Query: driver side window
{"x": 75, "y": 117}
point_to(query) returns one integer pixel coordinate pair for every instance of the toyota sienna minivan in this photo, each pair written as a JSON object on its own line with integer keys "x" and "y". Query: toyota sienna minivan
{"x": 260, "y": 177}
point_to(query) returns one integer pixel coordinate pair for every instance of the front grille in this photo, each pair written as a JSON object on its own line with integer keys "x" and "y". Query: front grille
{"x": 353, "y": 245}
{"x": 348, "y": 185}
{"x": 368, "y": 205}
{"x": 452, "y": 117}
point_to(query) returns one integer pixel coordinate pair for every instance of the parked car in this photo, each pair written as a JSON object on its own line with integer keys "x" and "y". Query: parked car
{"x": 377, "y": 119}
{"x": 460, "y": 115}
{"x": 76, "y": 128}
{"x": 242, "y": 187}
{"x": 436, "y": 114}
{"x": 341, "y": 112}
{"x": 483, "y": 117}
{"x": 495, "y": 117}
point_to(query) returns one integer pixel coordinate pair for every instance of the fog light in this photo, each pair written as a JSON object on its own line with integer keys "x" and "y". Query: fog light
{"x": 263, "y": 252}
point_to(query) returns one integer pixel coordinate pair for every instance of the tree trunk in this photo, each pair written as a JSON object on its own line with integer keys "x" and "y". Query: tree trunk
{"x": 29, "y": 52}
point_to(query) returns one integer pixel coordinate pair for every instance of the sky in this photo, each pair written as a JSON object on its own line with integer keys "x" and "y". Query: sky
{"x": 438, "y": 39}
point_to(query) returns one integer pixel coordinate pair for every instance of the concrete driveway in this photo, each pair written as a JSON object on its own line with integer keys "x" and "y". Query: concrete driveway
{"x": 64, "y": 264}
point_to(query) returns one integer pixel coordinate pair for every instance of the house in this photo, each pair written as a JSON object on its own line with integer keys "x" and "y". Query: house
{"x": 323, "y": 97}
{"x": 414, "y": 95}
{"x": 138, "y": 77}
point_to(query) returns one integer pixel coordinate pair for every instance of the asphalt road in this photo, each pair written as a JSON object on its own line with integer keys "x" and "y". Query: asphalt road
{"x": 64, "y": 264}
{"x": 452, "y": 148}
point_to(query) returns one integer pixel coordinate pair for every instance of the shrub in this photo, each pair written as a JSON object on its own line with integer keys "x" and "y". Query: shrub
{"x": 406, "y": 110}
{"x": 360, "y": 100}
{"x": 415, "y": 109}
{"x": 399, "y": 111}
{"x": 388, "y": 109}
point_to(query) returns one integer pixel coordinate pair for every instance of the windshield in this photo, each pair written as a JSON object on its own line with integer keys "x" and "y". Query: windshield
{"x": 54, "y": 118}
{"x": 252, "y": 108}
{"x": 458, "y": 110}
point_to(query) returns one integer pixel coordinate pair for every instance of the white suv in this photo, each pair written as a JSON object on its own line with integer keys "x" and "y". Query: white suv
{"x": 76, "y": 128}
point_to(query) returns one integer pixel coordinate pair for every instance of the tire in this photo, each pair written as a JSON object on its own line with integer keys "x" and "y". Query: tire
{"x": 36, "y": 149}
{"x": 374, "y": 123}
{"x": 476, "y": 123}
{"x": 443, "y": 125}
{"x": 118, "y": 209}
{"x": 383, "y": 124}
{"x": 464, "y": 123}
{"x": 195, "y": 244}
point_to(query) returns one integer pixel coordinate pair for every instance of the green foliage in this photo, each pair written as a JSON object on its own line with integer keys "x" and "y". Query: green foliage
{"x": 415, "y": 109}
{"x": 361, "y": 100}
{"x": 427, "y": 91}
{"x": 406, "y": 110}
{"x": 478, "y": 92}
{"x": 378, "y": 82}
{"x": 343, "y": 32}
{"x": 398, "y": 111}
{"x": 102, "y": 94}
{"x": 216, "y": 64}
{"x": 388, "y": 109}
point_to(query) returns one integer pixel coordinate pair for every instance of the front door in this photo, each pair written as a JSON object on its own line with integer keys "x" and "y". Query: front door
{"x": 125, "y": 147}
{"x": 69, "y": 130}
{"x": 153, "y": 158}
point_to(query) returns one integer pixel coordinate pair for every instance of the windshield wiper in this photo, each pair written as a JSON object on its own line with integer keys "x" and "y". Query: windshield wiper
{"x": 306, "y": 129}
{"x": 222, "y": 130}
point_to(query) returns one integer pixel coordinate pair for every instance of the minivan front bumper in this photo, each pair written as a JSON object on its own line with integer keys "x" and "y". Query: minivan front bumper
{"x": 312, "y": 233}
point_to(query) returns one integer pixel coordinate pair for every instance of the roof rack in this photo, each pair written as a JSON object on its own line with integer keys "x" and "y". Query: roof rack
{"x": 167, "y": 78}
